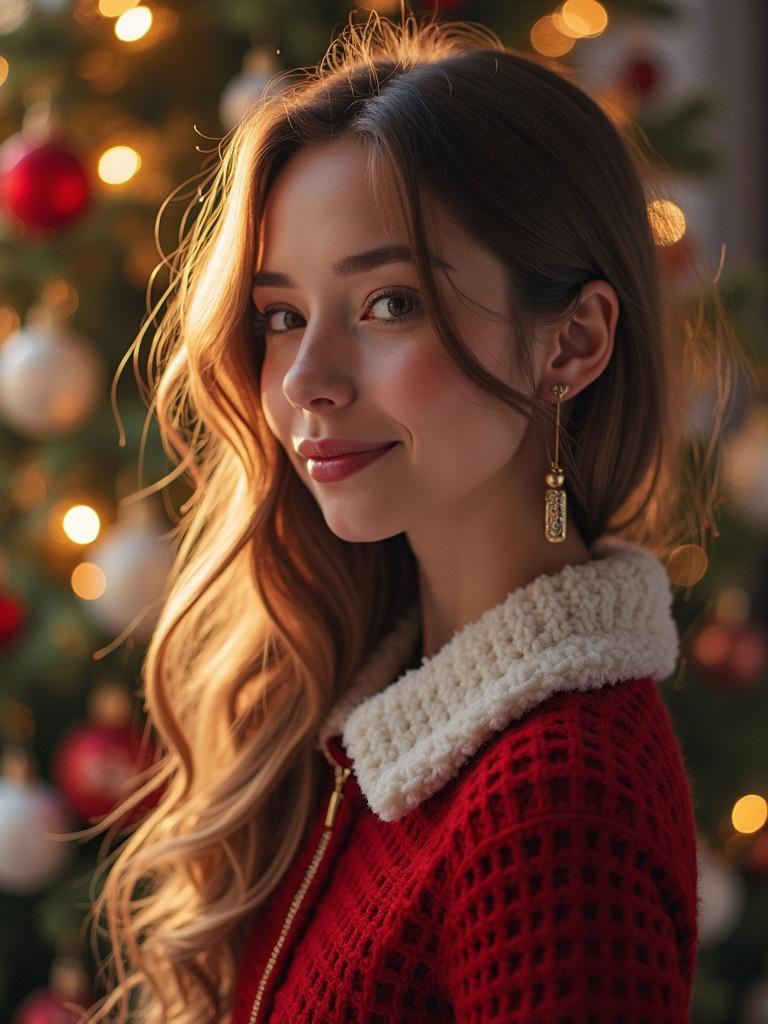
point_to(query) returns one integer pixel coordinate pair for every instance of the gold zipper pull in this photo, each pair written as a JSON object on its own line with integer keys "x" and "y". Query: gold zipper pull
{"x": 342, "y": 774}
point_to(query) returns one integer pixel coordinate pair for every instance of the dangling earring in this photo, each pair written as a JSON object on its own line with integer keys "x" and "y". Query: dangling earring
{"x": 555, "y": 508}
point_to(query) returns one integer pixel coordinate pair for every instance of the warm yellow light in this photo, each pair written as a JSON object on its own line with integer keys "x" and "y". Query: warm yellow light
{"x": 4, "y": 68}
{"x": 114, "y": 8}
{"x": 88, "y": 581}
{"x": 667, "y": 221}
{"x": 118, "y": 164}
{"x": 81, "y": 524}
{"x": 547, "y": 40}
{"x": 133, "y": 24}
{"x": 581, "y": 18}
{"x": 686, "y": 564}
{"x": 749, "y": 813}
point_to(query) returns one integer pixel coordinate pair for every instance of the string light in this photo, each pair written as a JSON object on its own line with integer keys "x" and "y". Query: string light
{"x": 118, "y": 164}
{"x": 114, "y": 8}
{"x": 81, "y": 524}
{"x": 687, "y": 564}
{"x": 749, "y": 813}
{"x": 667, "y": 221}
{"x": 88, "y": 581}
{"x": 547, "y": 39}
{"x": 133, "y": 24}
{"x": 581, "y": 19}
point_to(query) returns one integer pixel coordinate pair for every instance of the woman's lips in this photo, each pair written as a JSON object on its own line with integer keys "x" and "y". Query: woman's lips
{"x": 340, "y": 466}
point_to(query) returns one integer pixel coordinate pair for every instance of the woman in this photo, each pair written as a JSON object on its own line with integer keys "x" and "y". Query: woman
{"x": 415, "y": 762}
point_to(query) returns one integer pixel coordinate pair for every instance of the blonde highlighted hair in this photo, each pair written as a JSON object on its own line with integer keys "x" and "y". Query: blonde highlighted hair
{"x": 267, "y": 615}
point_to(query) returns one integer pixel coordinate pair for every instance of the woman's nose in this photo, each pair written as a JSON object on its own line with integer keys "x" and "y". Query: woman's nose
{"x": 318, "y": 375}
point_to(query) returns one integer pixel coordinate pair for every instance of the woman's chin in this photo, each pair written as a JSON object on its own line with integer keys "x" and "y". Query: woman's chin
{"x": 361, "y": 531}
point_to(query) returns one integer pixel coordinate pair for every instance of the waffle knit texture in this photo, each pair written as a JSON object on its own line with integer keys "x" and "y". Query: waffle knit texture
{"x": 517, "y": 840}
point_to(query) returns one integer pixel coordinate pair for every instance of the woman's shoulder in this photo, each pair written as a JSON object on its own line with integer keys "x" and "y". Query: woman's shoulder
{"x": 596, "y": 756}
{"x": 570, "y": 839}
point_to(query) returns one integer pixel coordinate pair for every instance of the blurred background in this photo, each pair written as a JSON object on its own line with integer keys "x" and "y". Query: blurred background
{"x": 110, "y": 111}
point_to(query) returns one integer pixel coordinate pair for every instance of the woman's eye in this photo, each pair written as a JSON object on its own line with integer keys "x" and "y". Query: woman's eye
{"x": 263, "y": 320}
{"x": 389, "y": 302}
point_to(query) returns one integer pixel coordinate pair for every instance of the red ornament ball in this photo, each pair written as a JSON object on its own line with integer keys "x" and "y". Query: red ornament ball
{"x": 95, "y": 767}
{"x": 13, "y": 615}
{"x": 43, "y": 1006}
{"x": 641, "y": 76}
{"x": 44, "y": 185}
{"x": 733, "y": 655}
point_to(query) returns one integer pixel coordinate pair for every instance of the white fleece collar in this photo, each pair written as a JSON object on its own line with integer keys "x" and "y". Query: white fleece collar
{"x": 580, "y": 628}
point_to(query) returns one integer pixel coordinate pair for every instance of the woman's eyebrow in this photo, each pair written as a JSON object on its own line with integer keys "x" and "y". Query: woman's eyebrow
{"x": 355, "y": 264}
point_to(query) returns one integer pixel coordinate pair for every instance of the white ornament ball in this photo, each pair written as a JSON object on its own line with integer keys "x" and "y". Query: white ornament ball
{"x": 13, "y": 14}
{"x": 135, "y": 561}
{"x": 29, "y": 860}
{"x": 247, "y": 88}
{"x": 721, "y": 896}
{"x": 51, "y": 380}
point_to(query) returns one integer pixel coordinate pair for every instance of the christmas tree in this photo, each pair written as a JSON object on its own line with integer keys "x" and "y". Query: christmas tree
{"x": 111, "y": 114}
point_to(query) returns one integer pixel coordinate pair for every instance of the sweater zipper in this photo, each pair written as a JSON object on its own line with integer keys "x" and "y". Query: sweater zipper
{"x": 341, "y": 774}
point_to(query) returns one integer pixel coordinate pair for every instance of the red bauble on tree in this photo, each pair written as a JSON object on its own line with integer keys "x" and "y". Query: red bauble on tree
{"x": 733, "y": 654}
{"x": 61, "y": 1003}
{"x": 96, "y": 763}
{"x": 13, "y": 615}
{"x": 642, "y": 75}
{"x": 43, "y": 184}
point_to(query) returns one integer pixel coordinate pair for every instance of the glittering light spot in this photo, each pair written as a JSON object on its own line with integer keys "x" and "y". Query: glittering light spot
{"x": 686, "y": 564}
{"x": 88, "y": 581}
{"x": 581, "y": 19}
{"x": 118, "y": 165}
{"x": 81, "y": 524}
{"x": 114, "y": 8}
{"x": 667, "y": 221}
{"x": 547, "y": 40}
{"x": 749, "y": 813}
{"x": 134, "y": 24}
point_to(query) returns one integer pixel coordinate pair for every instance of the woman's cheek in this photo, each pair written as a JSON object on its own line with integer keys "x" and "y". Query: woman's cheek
{"x": 422, "y": 380}
{"x": 272, "y": 398}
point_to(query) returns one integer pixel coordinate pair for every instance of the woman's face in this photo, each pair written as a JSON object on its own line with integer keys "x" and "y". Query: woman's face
{"x": 343, "y": 359}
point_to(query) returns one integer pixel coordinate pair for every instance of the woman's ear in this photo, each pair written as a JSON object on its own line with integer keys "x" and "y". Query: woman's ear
{"x": 578, "y": 352}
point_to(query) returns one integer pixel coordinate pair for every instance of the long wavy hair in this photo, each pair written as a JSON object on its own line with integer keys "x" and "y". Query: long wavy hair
{"x": 267, "y": 615}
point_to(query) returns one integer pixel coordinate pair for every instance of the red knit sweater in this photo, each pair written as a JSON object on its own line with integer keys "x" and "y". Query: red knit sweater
{"x": 553, "y": 881}
{"x": 551, "y": 878}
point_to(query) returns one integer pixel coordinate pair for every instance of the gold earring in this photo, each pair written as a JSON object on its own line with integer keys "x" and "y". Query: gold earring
{"x": 555, "y": 507}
